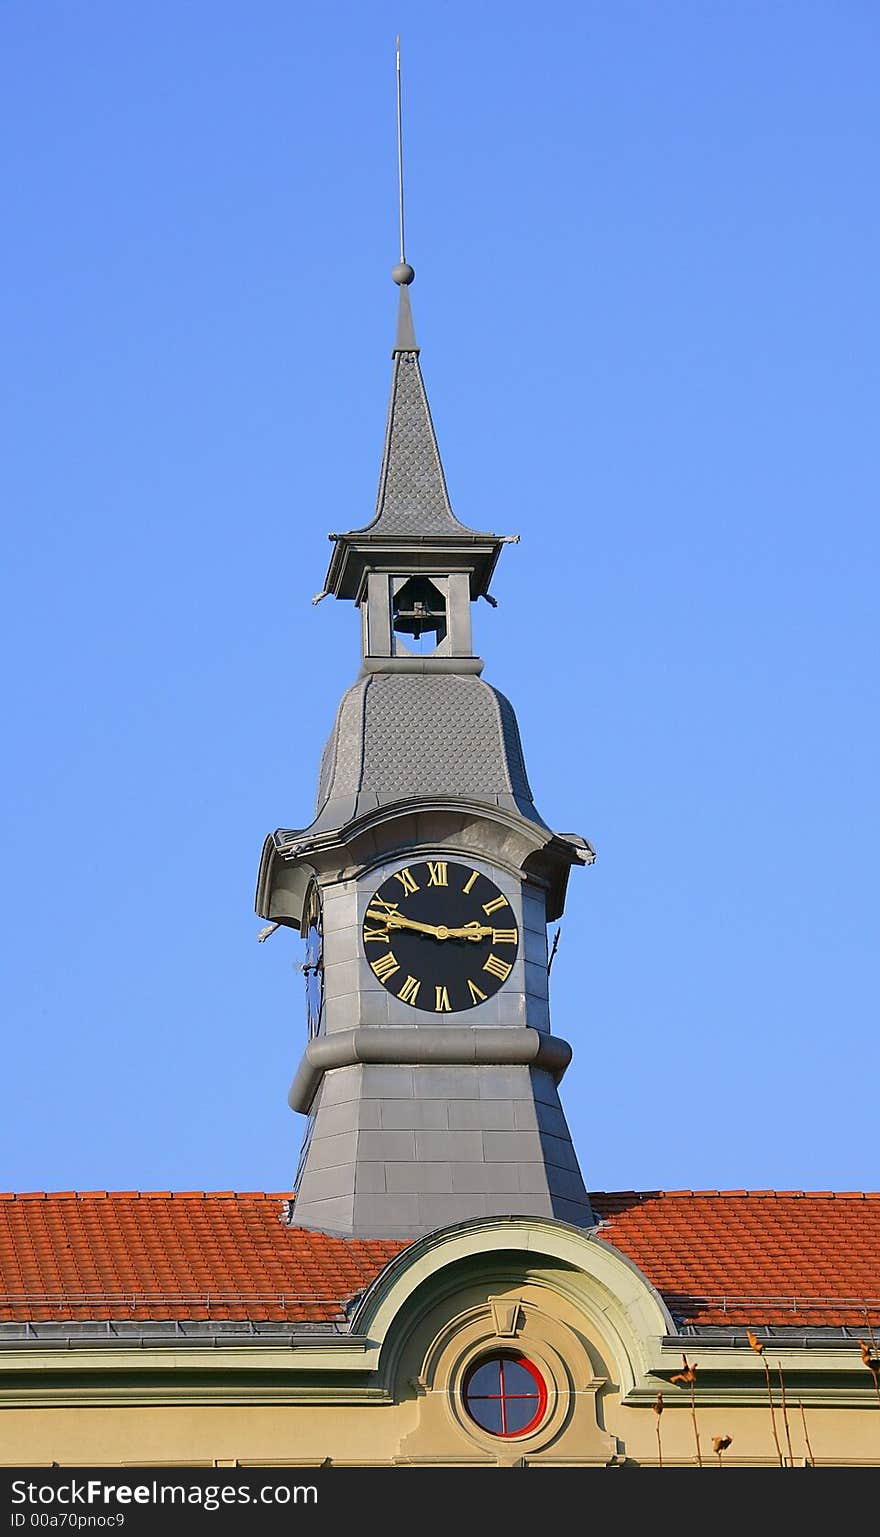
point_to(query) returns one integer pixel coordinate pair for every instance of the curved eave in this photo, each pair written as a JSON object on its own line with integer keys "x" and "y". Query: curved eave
{"x": 277, "y": 876}
{"x": 292, "y": 844}
{"x": 290, "y": 857}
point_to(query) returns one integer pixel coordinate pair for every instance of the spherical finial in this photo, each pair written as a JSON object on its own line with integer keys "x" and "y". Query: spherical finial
{"x": 403, "y": 273}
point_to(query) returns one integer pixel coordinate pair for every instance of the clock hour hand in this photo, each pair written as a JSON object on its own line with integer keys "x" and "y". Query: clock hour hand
{"x": 397, "y": 921}
{"x": 474, "y": 931}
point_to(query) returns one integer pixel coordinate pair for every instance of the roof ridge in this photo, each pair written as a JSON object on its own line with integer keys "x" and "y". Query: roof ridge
{"x": 286, "y": 1195}
{"x": 803, "y": 1195}
{"x": 145, "y": 1195}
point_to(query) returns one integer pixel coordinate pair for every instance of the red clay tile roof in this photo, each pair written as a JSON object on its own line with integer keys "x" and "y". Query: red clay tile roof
{"x": 786, "y": 1257}
{"x": 718, "y": 1257}
{"x": 158, "y": 1255}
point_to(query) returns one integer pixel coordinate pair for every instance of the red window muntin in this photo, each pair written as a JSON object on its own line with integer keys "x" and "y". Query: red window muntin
{"x": 505, "y": 1395}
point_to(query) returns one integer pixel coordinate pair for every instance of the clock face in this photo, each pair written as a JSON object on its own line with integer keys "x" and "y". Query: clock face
{"x": 440, "y": 936}
{"x": 313, "y": 965}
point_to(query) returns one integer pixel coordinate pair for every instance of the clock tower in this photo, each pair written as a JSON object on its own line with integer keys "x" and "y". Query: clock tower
{"x": 423, "y": 889}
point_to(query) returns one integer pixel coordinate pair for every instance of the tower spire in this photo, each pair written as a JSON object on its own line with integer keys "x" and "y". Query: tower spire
{"x": 413, "y": 509}
{"x": 402, "y": 273}
{"x": 400, "y": 161}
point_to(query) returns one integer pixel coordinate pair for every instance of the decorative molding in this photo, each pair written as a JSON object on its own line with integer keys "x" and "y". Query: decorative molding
{"x": 427, "y": 1045}
{"x": 506, "y": 1312}
{"x": 423, "y": 664}
{"x": 570, "y": 1419}
{"x": 624, "y": 1306}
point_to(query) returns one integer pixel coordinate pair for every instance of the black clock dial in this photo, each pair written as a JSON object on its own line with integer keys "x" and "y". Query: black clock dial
{"x": 440, "y": 936}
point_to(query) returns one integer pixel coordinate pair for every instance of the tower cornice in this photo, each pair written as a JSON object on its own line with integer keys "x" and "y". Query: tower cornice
{"x": 291, "y": 859}
{"x": 358, "y": 553}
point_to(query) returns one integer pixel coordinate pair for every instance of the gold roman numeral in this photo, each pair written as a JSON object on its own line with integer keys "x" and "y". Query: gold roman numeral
{"x": 476, "y": 995}
{"x": 380, "y": 909}
{"x": 375, "y": 936}
{"x": 470, "y": 881}
{"x": 407, "y": 882}
{"x": 442, "y": 1006}
{"x": 493, "y": 906}
{"x": 410, "y": 990}
{"x": 498, "y": 968}
{"x": 504, "y": 936}
{"x": 437, "y": 873}
{"x": 386, "y": 966}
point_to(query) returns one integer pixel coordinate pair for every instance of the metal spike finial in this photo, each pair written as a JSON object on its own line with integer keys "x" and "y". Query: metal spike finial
{"x": 403, "y": 273}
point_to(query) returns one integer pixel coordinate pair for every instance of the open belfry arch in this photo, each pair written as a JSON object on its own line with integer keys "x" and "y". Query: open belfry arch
{"x": 438, "y": 1287}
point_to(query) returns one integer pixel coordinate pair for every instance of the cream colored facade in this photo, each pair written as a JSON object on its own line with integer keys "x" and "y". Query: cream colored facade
{"x": 389, "y": 1392}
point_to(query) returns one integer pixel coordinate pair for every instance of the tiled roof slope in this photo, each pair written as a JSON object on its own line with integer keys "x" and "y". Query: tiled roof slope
{"x": 809, "y": 1259}
{"x": 718, "y": 1257}
{"x": 186, "y": 1255}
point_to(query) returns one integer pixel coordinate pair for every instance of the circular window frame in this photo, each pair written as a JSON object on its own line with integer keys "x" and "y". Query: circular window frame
{"x": 498, "y": 1357}
{"x": 476, "y": 1343}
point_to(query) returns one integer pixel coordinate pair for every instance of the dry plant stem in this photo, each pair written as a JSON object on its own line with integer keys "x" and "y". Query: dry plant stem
{"x": 785, "y": 1416}
{"x": 772, "y": 1412}
{"x": 658, "y": 1410}
{"x": 696, "y": 1429}
{"x": 871, "y": 1362}
{"x": 875, "y": 1352}
{"x": 806, "y": 1435}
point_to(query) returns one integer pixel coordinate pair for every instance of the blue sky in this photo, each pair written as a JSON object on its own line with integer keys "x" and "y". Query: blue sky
{"x": 646, "y": 240}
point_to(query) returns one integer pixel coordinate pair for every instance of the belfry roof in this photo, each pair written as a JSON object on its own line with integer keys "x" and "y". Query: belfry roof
{"x": 412, "y": 496}
{"x": 755, "y": 1259}
{"x": 412, "y": 504}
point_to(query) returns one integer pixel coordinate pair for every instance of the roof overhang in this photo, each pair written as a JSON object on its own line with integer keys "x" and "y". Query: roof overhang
{"x": 353, "y": 557}
{"x": 291, "y": 858}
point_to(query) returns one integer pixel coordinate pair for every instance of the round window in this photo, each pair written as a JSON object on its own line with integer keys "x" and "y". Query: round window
{"x": 505, "y": 1395}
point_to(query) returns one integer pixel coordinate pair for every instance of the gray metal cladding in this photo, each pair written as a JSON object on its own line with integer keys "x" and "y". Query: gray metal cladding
{"x": 400, "y": 735}
{"x": 413, "y": 498}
